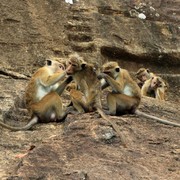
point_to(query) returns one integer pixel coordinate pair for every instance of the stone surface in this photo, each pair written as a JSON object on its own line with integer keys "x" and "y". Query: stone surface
{"x": 98, "y": 30}
{"x": 77, "y": 150}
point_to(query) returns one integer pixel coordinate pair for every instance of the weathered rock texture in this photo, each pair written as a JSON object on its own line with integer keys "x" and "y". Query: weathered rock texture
{"x": 86, "y": 147}
{"x": 99, "y": 30}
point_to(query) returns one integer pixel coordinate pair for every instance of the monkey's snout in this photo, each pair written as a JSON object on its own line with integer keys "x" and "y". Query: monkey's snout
{"x": 69, "y": 72}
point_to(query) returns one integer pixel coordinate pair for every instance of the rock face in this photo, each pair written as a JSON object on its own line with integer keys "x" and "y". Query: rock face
{"x": 88, "y": 148}
{"x": 98, "y": 30}
{"x": 136, "y": 33}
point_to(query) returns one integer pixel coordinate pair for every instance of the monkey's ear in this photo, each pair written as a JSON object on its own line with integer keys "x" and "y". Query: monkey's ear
{"x": 83, "y": 65}
{"x": 117, "y": 69}
{"x": 48, "y": 62}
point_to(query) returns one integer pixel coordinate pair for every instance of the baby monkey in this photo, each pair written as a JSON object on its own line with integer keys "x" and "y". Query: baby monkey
{"x": 42, "y": 95}
{"x": 151, "y": 85}
{"x": 154, "y": 87}
{"x": 126, "y": 95}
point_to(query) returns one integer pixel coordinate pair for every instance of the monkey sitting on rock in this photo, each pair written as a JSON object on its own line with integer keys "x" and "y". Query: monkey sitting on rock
{"x": 42, "y": 95}
{"x": 125, "y": 96}
{"x": 151, "y": 85}
{"x": 154, "y": 87}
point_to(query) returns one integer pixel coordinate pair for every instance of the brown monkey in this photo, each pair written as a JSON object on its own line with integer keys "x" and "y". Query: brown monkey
{"x": 126, "y": 95}
{"x": 42, "y": 95}
{"x": 71, "y": 86}
{"x": 78, "y": 99}
{"x": 154, "y": 87}
{"x": 161, "y": 92}
{"x": 142, "y": 75}
{"x": 87, "y": 83}
{"x": 88, "y": 89}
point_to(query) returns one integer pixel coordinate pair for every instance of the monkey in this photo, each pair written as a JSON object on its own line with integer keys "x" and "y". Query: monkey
{"x": 150, "y": 86}
{"x": 42, "y": 95}
{"x": 71, "y": 86}
{"x": 142, "y": 75}
{"x": 161, "y": 92}
{"x": 78, "y": 99}
{"x": 61, "y": 61}
{"x": 88, "y": 89}
{"x": 126, "y": 95}
{"x": 154, "y": 87}
{"x": 86, "y": 81}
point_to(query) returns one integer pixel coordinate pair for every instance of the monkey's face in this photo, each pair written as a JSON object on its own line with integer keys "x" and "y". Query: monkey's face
{"x": 155, "y": 82}
{"x": 112, "y": 69}
{"x": 71, "y": 86}
{"x": 55, "y": 66}
{"x": 75, "y": 66}
{"x": 143, "y": 74}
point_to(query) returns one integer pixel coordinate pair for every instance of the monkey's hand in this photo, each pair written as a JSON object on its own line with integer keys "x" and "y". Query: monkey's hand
{"x": 69, "y": 79}
{"x": 101, "y": 75}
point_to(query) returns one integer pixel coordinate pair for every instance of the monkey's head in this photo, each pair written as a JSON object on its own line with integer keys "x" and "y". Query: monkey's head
{"x": 75, "y": 64}
{"x": 71, "y": 86}
{"x": 143, "y": 74}
{"x": 162, "y": 83}
{"x": 55, "y": 66}
{"x": 112, "y": 69}
{"x": 155, "y": 82}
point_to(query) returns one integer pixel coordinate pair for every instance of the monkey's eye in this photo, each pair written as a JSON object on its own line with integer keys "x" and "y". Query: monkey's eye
{"x": 70, "y": 63}
{"x": 74, "y": 65}
{"x": 61, "y": 67}
{"x": 83, "y": 65}
{"x": 148, "y": 70}
{"x": 49, "y": 62}
{"x": 117, "y": 69}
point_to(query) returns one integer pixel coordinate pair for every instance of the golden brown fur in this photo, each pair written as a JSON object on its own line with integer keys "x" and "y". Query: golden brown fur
{"x": 87, "y": 83}
{"x": 88, "y": 89}
{"x": 142, "y": 75}
{"x": 155, "y": 87}
{"x": 125, "y": 96}
{"x": 42, "y": 95}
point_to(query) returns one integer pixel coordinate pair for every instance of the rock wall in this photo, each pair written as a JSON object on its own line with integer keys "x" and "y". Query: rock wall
{"x": 134, "y": 32}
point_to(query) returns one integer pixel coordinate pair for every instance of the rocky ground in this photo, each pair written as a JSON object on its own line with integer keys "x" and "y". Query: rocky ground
{"x": 136, "y": 33}
{"x": 86, "y": 147}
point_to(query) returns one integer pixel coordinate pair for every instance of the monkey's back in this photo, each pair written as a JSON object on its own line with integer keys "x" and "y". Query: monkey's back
{"x": 29, "y": 93}
{"x": 31, "y": 89}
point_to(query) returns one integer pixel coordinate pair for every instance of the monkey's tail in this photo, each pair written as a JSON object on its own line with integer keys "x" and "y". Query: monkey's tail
{"x": 26, "y": 127}
{"x": 163, "y": 121}
{"x": 114, "y": 125}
